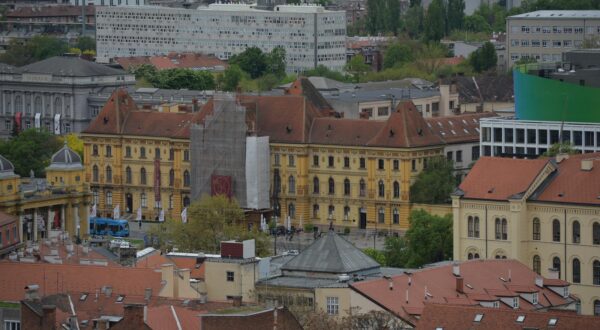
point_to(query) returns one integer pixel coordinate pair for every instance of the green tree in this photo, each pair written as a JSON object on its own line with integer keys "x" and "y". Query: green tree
{"x": 231, "y": 78}
{"x": 476, "y": 23}
{"x": 484, "y": 58}
{"x": 38, "y": 48}
{"x": 376, "y": 255}
{"x": 357, "y": 66}
{"x": 456, "y": 14}
{"x": 393, "y": 16}
{"x": 397, "y": 53}
{"x": 31, "y": 149}
{"x": 560, "y": 148}
{"x": 252, "y": 60}
{"x": 267, "y": 82}
{"x": 86, "y": 43}
{"x": 211, "y": 220}
{"x": 276, "y": 62}
{"x": 435, "y": 26}
{"x": 435, "y": 183}
{"x": 374, "y": 20}
{"x": 323, "y": 71}
{"x": 414, "y": 21}
{"x": 183, "y": 79}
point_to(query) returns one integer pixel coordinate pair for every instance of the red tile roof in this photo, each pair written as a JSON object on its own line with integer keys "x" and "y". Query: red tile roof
{"x": 155, "y": 261}
{"x": 481, "y": 279}
{"x": 57, "y": 278}
{"x": 168, "y": 318}
{"x": 453, "y": 317}
{"x": 6, "y": 218}
{"x": 496, "y": 178}
{"x": 172, "y": 61}
{"x": 458, "y": 129}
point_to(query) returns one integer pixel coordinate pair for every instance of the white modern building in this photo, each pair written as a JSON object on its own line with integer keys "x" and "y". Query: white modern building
{"x": 108, "y": 2}
{"x": 310, "y": 34}
{"x": 545, "y": 34}
{"x": 502, "y": 136}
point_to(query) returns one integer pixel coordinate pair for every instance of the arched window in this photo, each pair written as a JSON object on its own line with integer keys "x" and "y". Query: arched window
{"x": 128, "y": 174}
{"x": 186, "y": 201}
{"x": 381, "y": 188}
{"x": 108, "y": 151}
{"x": 396, "y": 216}
{"x": 291, "y": 185}
{"x": 292, "y": 210}
{"x": 470, "y": 227}
{"x": 95, "y": 173}
{"x": 596, "y": 233}
{"x": 381, "y": 215}
{"x": 142, "y": 152}
{"x": 315, "y": 211}
{"x": 108, "y": 198}
{"x": 95, "y": 150}
{"x": 362, "y": 188}
{"x": 58, "y": 105}
{"x": 556, "y": 230}
{"x": 576, "y": 232}
{"x": 470, "y": 256}
{"x": 186, "y": 178}
{"x": 556, "y": 265}
{"x": 537, "y": 264}
{"x": 596, "y": 307}
{"x": 331, "y": 211}
{"x": 576, "y": 271}
{"x": 37, "y": 104}
{"x": 156, "y": 153}
{"x": 143, "y": 176}
{"x": 536, "y": 229}
{"x": 331, "y": 186}
{"x": 396, "y": 189}
{"x": 315, "y": 185}
{"x": 504, "y": 229}
{"x": 143, "y": 200}
{"x": 476, "y": 256}
{"x": 498, "y": 227}
{"x": 108, "y": 174}
{"x": 596, "y": 267}
{"x": 476, "y": 227}
{"x": 18, "y": 104}
{"x": 346, "y": 187}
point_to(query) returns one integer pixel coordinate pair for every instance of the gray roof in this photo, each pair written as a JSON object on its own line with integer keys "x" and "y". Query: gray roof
{"x": 331, "y": 254}
{"x": 383, "y": 94}
{"x": 302, "y": 282}
{"x": 6, "y": 168}
{"x": 69, "y": 66}
{"x": 65, "y": 158}
{"x": 559, "y": 14}
{"x": 6, "y": 68}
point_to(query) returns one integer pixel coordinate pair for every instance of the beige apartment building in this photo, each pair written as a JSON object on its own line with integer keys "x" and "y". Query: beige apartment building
{"x": 543, "y": 212}
{"x": 545, "y": 34}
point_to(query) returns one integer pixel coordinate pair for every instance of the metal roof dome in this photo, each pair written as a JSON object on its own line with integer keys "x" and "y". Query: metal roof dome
{"x": 6, "y": 167}
{"x": 65, "y": 158}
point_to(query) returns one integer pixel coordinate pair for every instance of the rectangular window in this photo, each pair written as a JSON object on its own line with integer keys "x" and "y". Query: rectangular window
{"x": 396, "y": 165}
{"x": 12, "y": 325}
{"x": 543, "y": 136}
{"x": 556, "y": 43}
{"x": 544, "y": 43}
{"x": 382, "y": 111}
{"x": 230, "y": 276}
{"x": 459, "y": 156}
{"x": 291, "y": 161}
{"x": 363, "y": 163}
{"x": 186, "y": 155}
{"x": 508, "y": 135}
{"x": 347, "y": 162}
{"x": 413, "y": 165}
{"x": 567, "y": 43}
{"x": 276, "y": 159}
{"x": 333, "y": 305}
{"x": 128, "y": 152}
{"x": 475, "y": 153}
{"x": 330, "y": 161}
{"x": 524, "y": 43}
{"x": 535, "y": 43}
{"x": 380, "y": 164}
{"x": 449, "y": 155}
{"x": 316, "y": 160}
{"x": 520, "y": 135}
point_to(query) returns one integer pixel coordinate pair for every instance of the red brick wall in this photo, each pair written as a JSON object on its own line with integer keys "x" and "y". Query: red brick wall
{"x": 11, "y": 239}
{"x": 32, "y": 321}
{"x": 232, "y": 250}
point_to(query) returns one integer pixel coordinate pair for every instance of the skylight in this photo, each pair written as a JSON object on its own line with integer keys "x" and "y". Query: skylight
{"x": 521, "y": 318}
{"x": 120, "y": 298}
{"x": 478, "y": 317}
{"x": 552, "y": 321}
{"x": 83, "y": 297}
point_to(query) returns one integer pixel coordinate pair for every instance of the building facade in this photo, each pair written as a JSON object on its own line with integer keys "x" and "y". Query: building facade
{"x": 544, "y": 35}
{"x": 309, "y": 34}
{"x": 53, "y": 94}
{"x": 542, "y": 212}
{"x": 138, "y": 159}
{"x": 108, "y": 2}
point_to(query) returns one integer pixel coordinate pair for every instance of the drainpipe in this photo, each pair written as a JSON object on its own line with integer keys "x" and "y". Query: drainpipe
{"x": 565, "y": 216}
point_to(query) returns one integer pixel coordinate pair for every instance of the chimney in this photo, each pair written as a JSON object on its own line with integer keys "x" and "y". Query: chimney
{"x": 459, "y": 285}
{"x": 587, "y": 164}
{"x": 194, "y": 105}
{"x": 32, "y": 292}
{"x": 148, "y": 293}
{"x": 539, "y": 281}
{"x": 135, "y": 315}
{"x": 456, "y": 269}
{"x": 560, "y": 157}
{"x": 391, "y": 285}
{"x": 49, "y": 314}
{"x": 107, "y": 290}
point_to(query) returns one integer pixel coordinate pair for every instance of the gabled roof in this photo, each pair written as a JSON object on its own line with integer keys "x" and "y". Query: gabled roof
{"x": 496, "y": 178}
{"x": 450, "y": 317}
{"x": 303, "y": 86}
{"x": 481, "y": 279}
{"x": 331, "y": 254}
{"x": 70, "y": 66}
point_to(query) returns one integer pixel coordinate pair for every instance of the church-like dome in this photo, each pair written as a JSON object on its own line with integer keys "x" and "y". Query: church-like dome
{"x": 6, "y": 167}
{"x": 65, "y": 158}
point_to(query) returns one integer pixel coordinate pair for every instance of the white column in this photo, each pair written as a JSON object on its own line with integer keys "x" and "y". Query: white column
{"x": 35, "y": 225}
{"x": 62, "y": 217}
{"x": 77, "y": 220}
{"x": 50, "y": 217}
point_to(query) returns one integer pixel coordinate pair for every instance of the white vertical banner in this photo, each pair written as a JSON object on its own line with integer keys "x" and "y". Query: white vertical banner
{"x": 57, "y": 124}
{"x": 94, "y": 211}
{"x": 38, "y": 121}
{"x": 138, "y": 215}
{"x": 117, "y": 212}
{"x": 161, "y": 216}
{"x": 184, "y": 215}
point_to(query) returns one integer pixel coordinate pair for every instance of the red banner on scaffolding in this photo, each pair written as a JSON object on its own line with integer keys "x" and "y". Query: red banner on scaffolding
{"x": 221, "y": 185}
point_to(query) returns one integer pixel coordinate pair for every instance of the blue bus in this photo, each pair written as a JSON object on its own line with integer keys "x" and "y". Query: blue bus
{"x": 110, "y": 227}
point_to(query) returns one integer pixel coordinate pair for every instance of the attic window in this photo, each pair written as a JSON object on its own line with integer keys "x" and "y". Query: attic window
{"x": 288, "y": 129}
{"x": 464, "y": 129}
{"x": 420, "y": 131}
{"x": 521, "y": 318}
{"x": 120, "y": 298}
{"x": 464, "y": 121}
{"x": 552, "y": 322}
{"x": 83, "y": 297}
{"x": 453, "y": 132}
{"x": 478, "y": 317}
{"x": 450, "y": 122}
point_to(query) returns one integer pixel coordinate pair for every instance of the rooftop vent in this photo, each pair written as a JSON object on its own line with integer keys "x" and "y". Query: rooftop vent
{"x": 587, "y": 164}
{"x": 478, "y": 317}
{"x": 552, "y": 321}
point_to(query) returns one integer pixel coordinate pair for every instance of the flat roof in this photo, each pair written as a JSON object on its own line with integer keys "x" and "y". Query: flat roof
{"x": 559, "y": 14}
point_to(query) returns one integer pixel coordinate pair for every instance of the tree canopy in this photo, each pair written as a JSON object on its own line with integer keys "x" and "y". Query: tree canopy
{"x": 484, "y": 58}
{"x": 357, "y": 66}
{"x": 398, "y": 53}
{"x": 383, "y": 16}
{"x": 435, "y": 21}
{"x": 175, "y": 78}
{"x": 211, "y": 219}
{"x": 30, "y": 150}
{"x": 435, "y": 183}
{"x": 38, "y": 48}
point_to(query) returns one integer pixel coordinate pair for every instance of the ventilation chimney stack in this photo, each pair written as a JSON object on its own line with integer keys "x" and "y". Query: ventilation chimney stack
{"x": 456, "y": 270}
{"x": 460, "y": 285}
{"x": 587, "y": 164}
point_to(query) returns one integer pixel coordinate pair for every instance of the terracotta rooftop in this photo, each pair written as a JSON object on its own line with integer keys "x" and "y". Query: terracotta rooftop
{"x": 169, "y": 317}
{"x": 481, "y": 279}
{"x": 63, "y": 278}
{"x": 454, "y": 317}
{"x": 6, "y": 218}
{"x": 458, "y": 129}
{"x": 156, "y": 260}
{"x": 497, "y": 178}
{"x": 172, "y": 61}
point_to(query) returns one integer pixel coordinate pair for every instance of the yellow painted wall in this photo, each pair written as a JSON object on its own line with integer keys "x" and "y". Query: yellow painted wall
{"x": 217, "y": 286}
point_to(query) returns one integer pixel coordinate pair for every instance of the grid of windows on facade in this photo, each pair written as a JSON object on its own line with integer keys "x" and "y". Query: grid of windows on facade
{"x": 501, "y": 229}
{"x": 333, "y": 305}
{"x": 473, "y": 226}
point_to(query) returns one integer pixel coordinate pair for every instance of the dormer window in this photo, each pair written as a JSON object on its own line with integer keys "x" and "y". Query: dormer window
{"x": 566, "y": 292}
{"x": 535, "y": 298}
{"x": 515, "y": 303}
